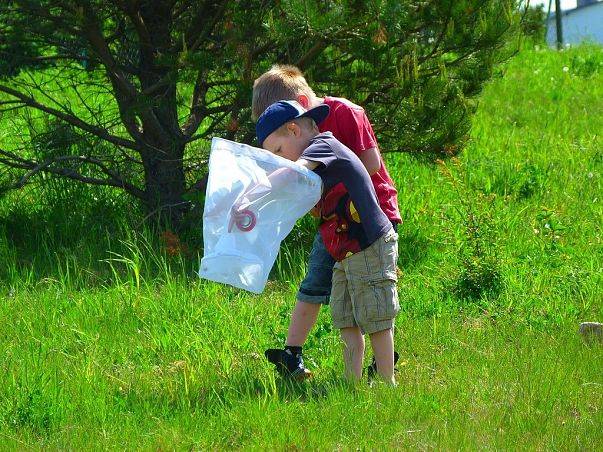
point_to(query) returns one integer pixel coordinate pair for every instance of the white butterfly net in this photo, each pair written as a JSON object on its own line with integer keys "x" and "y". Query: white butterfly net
{"x": 252, "y": 202}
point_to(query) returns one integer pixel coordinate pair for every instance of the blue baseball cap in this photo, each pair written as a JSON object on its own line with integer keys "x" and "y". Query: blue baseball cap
{"x": 283, "y": 111}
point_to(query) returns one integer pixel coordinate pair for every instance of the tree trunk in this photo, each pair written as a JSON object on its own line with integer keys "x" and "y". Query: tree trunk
{"x": 165, "y": 185}
{"x": 164, "y": 174}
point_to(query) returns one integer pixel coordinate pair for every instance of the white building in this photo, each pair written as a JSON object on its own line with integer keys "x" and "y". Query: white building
{"x": 585, "y": 22}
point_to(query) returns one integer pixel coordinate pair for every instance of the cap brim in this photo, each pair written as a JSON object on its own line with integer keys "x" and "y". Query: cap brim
{"x": 318, "y": 113}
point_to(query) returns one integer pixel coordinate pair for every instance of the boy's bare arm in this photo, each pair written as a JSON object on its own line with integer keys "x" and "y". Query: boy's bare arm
{"x": 307, "y": 163}
{"x": 315, "y": 211}
{"x": 277, "y": 179}
{"x": 371, "y": 159}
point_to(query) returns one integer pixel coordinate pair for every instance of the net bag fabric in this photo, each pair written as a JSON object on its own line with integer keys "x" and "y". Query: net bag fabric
{"x": 252, "y": 202}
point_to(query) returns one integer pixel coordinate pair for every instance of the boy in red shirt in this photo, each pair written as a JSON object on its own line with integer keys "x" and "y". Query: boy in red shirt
{"x": 350, "y": 125}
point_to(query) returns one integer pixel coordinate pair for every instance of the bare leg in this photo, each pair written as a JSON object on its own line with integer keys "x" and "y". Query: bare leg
{"x": 353, "y": 352}
{"x": 303, "y": 319}
{"x": 382, "y": 343}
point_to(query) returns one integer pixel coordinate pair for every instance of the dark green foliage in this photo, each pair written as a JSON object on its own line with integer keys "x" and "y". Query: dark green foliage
{"x": 138, "y": 83}
{"x": 534, "y": 22}
{"x": 17, "y": 51}
{"x": 531, "y": 179}
{"x": 34, "y": 403}
{"x": 480, "y": 272}
{"x": 550, "y": 229}
{"x": 416, "y": 67}
{"x": 32, "y": 411}
{"x": 520, "y": 181}
{"x": 588, "y": 64}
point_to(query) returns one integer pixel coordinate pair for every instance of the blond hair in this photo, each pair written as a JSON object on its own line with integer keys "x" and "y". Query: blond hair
{"x": 281, "y": 82}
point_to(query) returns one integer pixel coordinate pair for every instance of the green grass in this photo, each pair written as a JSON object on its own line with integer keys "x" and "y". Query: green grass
{"x": 108, "y": 342}
{"x": 174, "y": 367}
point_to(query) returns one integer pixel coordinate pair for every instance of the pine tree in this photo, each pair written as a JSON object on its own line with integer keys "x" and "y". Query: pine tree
{"x": 130, "y": 91}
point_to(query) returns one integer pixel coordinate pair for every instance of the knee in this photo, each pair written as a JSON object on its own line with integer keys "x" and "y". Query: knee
{"x": 354, "y": 347}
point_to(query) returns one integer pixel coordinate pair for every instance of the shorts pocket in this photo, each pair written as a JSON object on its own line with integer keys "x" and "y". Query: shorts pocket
{"x": 376, "y": 300}
{"x": 386, "y": 305}
{"x": 341, "y": 305}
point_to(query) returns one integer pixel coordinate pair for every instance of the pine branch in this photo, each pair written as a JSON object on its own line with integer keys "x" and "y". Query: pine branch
{"x": 114, "y": 180}
{"x": 71, "y": 119}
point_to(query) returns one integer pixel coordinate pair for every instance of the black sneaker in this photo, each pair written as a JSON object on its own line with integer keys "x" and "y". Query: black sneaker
{"x": 288, "y": 364}
{"x": 371, "y": 370}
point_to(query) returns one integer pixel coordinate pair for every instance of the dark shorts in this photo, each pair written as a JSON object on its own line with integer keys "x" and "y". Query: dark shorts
{"x": 316, "y": 286}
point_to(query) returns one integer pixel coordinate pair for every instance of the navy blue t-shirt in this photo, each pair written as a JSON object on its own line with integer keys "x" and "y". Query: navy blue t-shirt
{"x": 353, "y": 221}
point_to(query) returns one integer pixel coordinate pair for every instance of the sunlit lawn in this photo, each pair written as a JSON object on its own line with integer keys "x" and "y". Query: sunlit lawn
{"x": 109, "y": 343}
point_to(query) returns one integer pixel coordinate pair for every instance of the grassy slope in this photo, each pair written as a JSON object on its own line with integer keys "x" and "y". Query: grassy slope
{"x": 174, "y": 362}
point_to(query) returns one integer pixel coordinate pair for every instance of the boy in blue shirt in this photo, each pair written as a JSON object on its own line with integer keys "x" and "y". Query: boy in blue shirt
{"x": 356, "y": 232}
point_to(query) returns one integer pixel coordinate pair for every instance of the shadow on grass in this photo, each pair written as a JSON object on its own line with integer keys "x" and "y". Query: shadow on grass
{"x": 92, "y": 240}
{"x": 306, "y": 391}
{"x": 230, "y": 393}
{"x": 252, "y": 384}
{"x": 413, "y": 248}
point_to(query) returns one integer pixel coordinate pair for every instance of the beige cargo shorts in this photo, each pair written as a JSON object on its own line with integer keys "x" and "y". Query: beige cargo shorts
{"x": 364, "y": 289}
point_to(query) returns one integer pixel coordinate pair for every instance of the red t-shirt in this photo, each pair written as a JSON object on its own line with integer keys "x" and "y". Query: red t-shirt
{"x": 350, "y": 125}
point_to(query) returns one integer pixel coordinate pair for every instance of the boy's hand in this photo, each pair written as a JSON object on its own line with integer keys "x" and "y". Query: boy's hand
{"x": 315, "y": 211}
{"x": 240, "y": 204}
